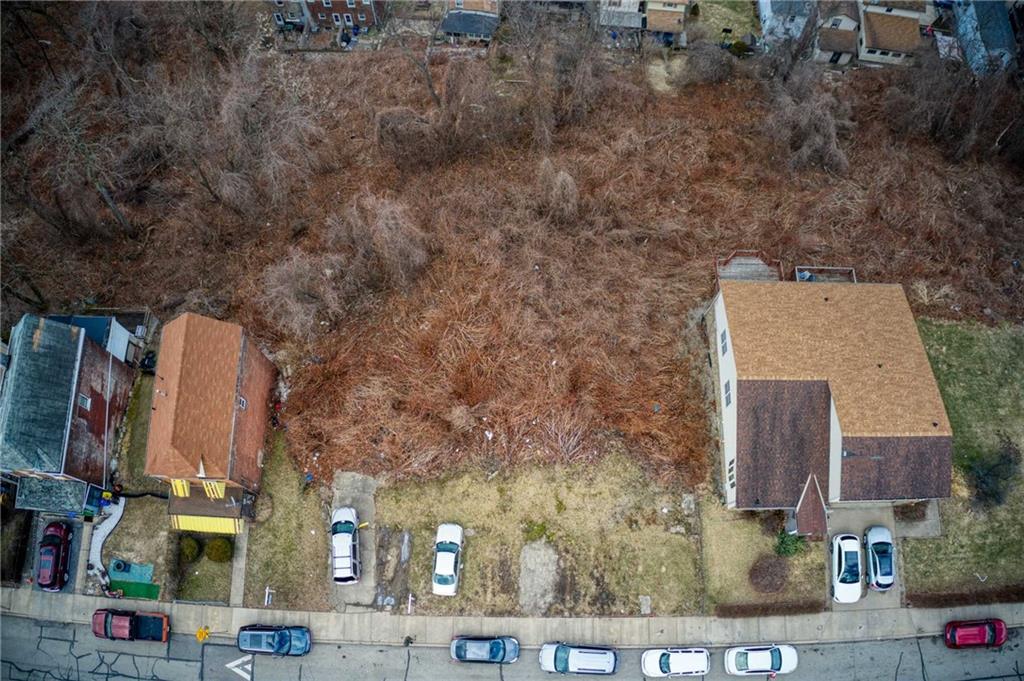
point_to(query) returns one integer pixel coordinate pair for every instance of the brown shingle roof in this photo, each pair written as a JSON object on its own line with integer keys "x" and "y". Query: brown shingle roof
{"x": 891, "y": 32}
{"x": 782, "y": 437}
{"x": 194, "y": 398}
{"x": 896, "y": 468}
{"x": 837, "y": 40}
{"x": 861, "y": 338}
{"x": 811, "y": 515}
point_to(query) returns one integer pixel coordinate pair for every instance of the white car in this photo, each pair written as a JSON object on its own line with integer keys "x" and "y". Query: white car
{"x": 345, "y": 565}
{"x": 880, "y": 556}
{"x": 847, "y": 568}
{"x": 569, "y": 659}
{"x": 760, "y": 660}
{"x": 667, "y": 662}
{"x": 447, "y": 559}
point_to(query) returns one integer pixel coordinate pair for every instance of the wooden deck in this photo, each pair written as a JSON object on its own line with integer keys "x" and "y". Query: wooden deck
{"x": 811, "y": 273}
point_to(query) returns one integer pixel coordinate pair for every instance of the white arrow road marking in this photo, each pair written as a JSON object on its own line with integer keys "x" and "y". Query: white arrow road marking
{"x": 242, "y": 666}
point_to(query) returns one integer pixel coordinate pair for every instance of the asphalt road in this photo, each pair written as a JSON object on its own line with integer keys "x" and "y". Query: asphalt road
{"x": 33, "y": 651}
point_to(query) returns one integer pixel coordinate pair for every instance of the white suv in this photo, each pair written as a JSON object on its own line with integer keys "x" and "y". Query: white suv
{"x": 567, "y": 659}
{"x": 345, "y": 564}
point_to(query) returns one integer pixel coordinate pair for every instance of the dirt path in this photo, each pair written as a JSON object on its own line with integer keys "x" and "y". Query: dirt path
{"x": 538, "y": 577}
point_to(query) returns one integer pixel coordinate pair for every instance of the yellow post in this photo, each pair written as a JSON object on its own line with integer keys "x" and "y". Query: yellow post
{"x": 203, "y": 633}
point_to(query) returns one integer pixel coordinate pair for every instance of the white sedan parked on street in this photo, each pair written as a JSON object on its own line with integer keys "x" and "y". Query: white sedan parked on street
{"x": 760, "y": 660}
{"x": 447, "y": 559}
{"x": 847, "y": 568}
{"x": 671, "y": 662}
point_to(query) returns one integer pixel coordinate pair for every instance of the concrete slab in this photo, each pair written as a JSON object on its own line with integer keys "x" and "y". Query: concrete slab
{"x": 238, "y": 561}
{"x": 931, "y": 526}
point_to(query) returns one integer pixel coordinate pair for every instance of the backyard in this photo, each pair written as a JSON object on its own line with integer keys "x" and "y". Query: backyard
{"x": 980, "y": 371}
{"x": 617, "y": 534}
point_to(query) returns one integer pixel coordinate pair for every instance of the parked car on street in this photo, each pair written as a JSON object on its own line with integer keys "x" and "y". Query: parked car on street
{"x": 345, "y": 565}
{"x": 54, "y": 557}
{"x": 671, "y": 662}
{"x": 491, "y": 650}
{"x": 880, "y": 556}
{"x": 757, "y": 660}
{"x": 447, "y": 559}
{"x": 126, "y": 625}
{"x": 846, "y": 568}
{"x": 976, "y": 634}
{"x": 279, "y": 641}
{"x": 569, "y": 659}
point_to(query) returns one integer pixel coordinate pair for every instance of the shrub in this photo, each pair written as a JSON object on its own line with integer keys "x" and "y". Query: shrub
{"x": 188, "y": 548}
{"x": 769, "y": 573}
{"x": 705, "y": 63}
{"x": 559, "y": 198}
{"x": 739, "y": 48}
{"x": 220, "y": 549}
{"x": 789, "y": 544}
{"x": 381, "y": 234}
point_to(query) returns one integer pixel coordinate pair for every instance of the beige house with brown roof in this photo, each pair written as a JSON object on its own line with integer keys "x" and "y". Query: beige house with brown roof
{"x": 826, "y": 398}
{"x": 208, "y": 424}
{"x": 890, "y": 30}
{"x": 838, "y": 32}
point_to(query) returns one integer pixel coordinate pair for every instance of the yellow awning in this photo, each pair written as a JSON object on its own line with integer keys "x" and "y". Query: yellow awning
{"x": 209, "y": 524}
{"x": 180, "y": 488}
{"x": 214, "y": 488}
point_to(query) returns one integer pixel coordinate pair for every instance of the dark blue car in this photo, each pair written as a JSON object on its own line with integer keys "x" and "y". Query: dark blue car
{"x": 279, "y": 641}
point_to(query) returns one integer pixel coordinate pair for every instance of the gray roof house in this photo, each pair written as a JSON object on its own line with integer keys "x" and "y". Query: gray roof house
{"x": 471, "y": 25}
{"x": 783, "y": 20}
{"x": 62, "y": 401}
{"x": 985, "y": 34}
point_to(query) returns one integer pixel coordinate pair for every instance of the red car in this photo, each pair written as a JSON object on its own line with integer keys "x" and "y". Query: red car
{"x": 54, "y": 557}
{"x": 976, "y": 633}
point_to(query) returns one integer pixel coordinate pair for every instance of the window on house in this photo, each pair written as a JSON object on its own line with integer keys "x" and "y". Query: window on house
{"x": 367, "y": 2}
{"x": 291, "y": 16}
{"x": 725, "y": 342}
{"x": 322, "y": 16}
{"x": 459, "y": 4}
{"x": 872, "y": 51}
{"x": 279, "y": 3}
{"x": 327, "y": 3}
{"x": 351, "y": 3}
{"x": 242, "y": 403}
{"x": 884, "y": 53}
{"x": 361, "y": 17}
{"x": 278, "y": 19}
{"x": 84, "y": 401}
{"x": 836, "y": 23}
{"x": 337, "y": 19}
{"x": 731, "y": 474}
{"x": 728, "y": 394}
{"x": 348, "y": 19}
{"x": 896, "y": 54}
{"x": 888, "y": 10}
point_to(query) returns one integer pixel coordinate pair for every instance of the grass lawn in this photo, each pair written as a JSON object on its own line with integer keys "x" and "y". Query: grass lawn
{"x": 142, "y": 537}
{"x": 131, "y": 457}
{"x": 205, "y": 580}
{"x": 733, "y": 541}
{"x": 739, "y": 15}
{"x": 289, "y": 550}
{"x": 605, "y": 519}
{"x": 980, "y": 371}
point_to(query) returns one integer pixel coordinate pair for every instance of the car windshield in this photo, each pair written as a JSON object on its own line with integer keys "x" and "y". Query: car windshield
{"x": 851, "y": 568}
{"x": 990, "y": 634}
{"x": 665, "y": 663}
{"x": 444, "y": 580}
{"x": 741, "y": 662}
{"x": 344, "y": 527}
{"x": 562, "y": 659}
{"x": 776, "y": 659}
{"x": 282, "y": 643}
{"x": 447, "y": 547}
{"x": 883, "y": 552}
{"x": 497, "y": 650}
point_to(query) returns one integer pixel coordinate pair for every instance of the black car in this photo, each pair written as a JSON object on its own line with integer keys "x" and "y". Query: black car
{"x": 279, "y": 641}
{"x": 499, "y": 650}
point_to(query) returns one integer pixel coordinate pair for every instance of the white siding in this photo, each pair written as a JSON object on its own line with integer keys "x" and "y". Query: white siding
{"x": 835, "y": 453}
{"x": 117, "y": 340}
{"x": 726, "y": 372}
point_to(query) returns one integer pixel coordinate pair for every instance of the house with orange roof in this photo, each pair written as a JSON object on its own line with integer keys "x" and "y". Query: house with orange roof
{"x": 207, "y": 430}
{"x": 826, "y": 399}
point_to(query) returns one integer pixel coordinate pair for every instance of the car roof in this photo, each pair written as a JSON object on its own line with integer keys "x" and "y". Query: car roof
{"x": 591, "y": 659}
{"x": 689, "y": 661}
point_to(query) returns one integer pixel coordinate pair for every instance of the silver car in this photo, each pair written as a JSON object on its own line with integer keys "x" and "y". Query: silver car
{"x": 880, "y": 558}
{"x": 569, "y": 659}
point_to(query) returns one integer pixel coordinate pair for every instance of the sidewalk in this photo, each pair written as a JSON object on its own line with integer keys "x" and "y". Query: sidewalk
{"x": 389, "y": 629}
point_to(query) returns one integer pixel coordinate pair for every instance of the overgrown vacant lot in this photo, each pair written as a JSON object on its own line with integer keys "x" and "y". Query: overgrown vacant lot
{"x": 981, "y": 375}
{"x": 608, "y": 522}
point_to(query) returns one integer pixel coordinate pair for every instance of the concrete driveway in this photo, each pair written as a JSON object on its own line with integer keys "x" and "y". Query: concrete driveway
{"x": 40, "y": 521}
{"x": 355, "y": 490}
{"x": 856, "y": 520}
